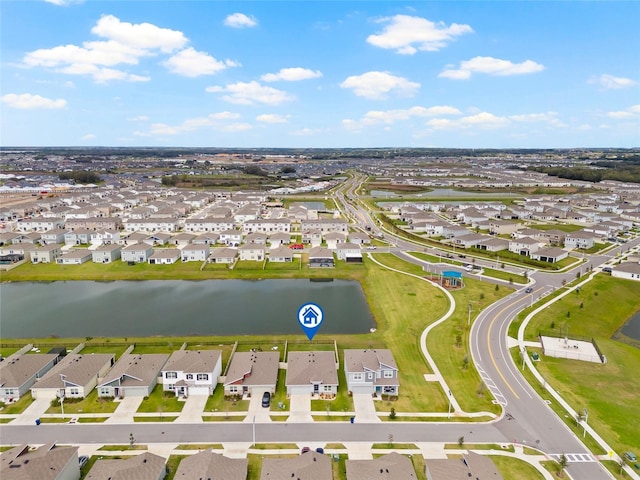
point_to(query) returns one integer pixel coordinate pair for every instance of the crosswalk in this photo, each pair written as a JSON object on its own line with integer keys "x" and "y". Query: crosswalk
{"x": 500, "y": 400}
{"x": 574, "y": 457}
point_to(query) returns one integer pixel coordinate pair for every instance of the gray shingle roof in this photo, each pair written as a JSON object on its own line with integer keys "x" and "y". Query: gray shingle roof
{"x": 208, "y": 465}
{"x": 304, "y": 368}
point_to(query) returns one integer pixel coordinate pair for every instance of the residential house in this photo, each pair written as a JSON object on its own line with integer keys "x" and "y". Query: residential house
{"x": 350, "y": 252}
{"x": 144, "y": 466}
{"x": 152, "y": 225}
{"x": 469, "y": 240}
{"x": 94, "y": 223}
{"x": 209, "y": 465}
{"x": 131, "y": 238}
{"x": 391, "y": 466}
{"x": 195, "y": 253}
{"x": 359, "y": 238}
{"x": 371, "y": 371}
{"x": 325, "y": 225}
{"x": 551, "y": 255}
{"x": 19, "y": 372}
{"x": 137, "y": 253}
{"x": 454, "y": 231}
{"x": 320, "y": 257}
{"x": 32, "y": 238}
{"x": 470, "y": 466}
{"x": 628, "y": 270}
{"x": 106, "y": 253}
{"x": 252, "y": 373}
{"x": 493, "y": 244}
{"x": 256, "y": 237}
{"x": 280, "y": 254}
{"x": 133, "y": 375}
{"x": 333, "y": 238}
{"x": 223, "y": 255}
{"x": 78, "y": 237}
{"x": 307, "y": 466}
{"x": 76, "y": 256}
{"x": 231, "y": 238}
{"x": 525, "y": 246}
{"x": 313, "y": 372}
{"x": 182, "y": 239}
{"x": 206, "y": 239}
{"x": 552, "y": 237}
{"x": 279, "y": 238}
{"x": 104, "y": 237}
{"x": 192, "y": 372}
{"x": 46, "y": 254}
{"x": 158, "y": 239}
{"x": 252, "y": 252}
{"x": 74, "y": 376}
{"x": 502, "y": 227}
{"x": 53, "y": 236}
{"x": 47, "y": 462}
{"x": 164, "y": 256}
{"x": 267, "y": 225}
{"x": 313, "y": 237}
{"x": 39, "y": 224}
{"x": 580, "y": 239}
{"x": 208, "y": 224}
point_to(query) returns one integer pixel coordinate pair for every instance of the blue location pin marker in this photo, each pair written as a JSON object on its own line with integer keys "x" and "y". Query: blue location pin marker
{"x": 310, "y": 318}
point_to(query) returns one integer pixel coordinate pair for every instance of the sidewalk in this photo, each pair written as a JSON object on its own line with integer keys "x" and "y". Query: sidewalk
{"x": 33, "y": 411}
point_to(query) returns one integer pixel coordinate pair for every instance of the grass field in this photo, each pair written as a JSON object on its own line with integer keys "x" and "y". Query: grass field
{"x": 90, "y": 404}
{"x": 159, "y": 402}
{"x": 606, "y": 305}
{"x": 515, "y": 468}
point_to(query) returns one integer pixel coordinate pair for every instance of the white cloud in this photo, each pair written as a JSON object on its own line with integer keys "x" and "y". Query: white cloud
{"x": 376, "y": 85}
{"x": 139, "y": 118}
{"x": 549, "y": 117}
{"x": 293, "y": 74}
{"x": 610, "y": 82}
{"x": 271, "y": 118}
{"x": 407, "y": 35}
{"x": 490, "y": 66}
{"x": 141, "y": 35}
{"x": 63, "y": 3}
{"x": 125, "y": 43}
{"x": 304, "y": 132}
{"x": 191, "y": 63}
{"x": 251, "y": 93}
{"x": 215, "y": 121}
{"x": 480, "y": 120}
{"x": 631, "y": 112}
{"x": 89, "y": 136}
{"x": 28, "y": 101}
{"x": 240, "y": 20}
{"x": 237, "y": 127}
{"x": 388, "y": 117}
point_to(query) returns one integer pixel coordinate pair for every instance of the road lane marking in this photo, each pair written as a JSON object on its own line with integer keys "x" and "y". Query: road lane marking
{"x": 574, "y": 457}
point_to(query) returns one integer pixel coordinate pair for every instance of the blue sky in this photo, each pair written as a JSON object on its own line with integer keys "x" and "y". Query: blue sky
{"x": 320, "y": 74}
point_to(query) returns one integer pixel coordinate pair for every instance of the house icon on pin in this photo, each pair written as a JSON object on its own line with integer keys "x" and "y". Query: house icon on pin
{"x": 310, "y": 316}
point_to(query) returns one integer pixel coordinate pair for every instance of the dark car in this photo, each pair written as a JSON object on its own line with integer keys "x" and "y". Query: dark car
{"x": 320, "y": 450}
{"x": 266, "y": 399}
{"x": 305, "y": 450}
{"x": 528, "y": 290}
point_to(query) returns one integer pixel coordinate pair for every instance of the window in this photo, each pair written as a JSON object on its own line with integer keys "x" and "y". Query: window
{"x": 105, "y": 392}
{"x": 189, "y": 376}
{"x": 369, "y": 375}
{"x": 202, "y": 376}
{"x": 388, "y": 374}
{"x": 358, "y": 377}
{"x": 171, "y": 375}
{"x": 327, "y": 388}
{"x": 233, "y": 389}
{"x": 171, "y": 386}
{"x": 74, "y": 391}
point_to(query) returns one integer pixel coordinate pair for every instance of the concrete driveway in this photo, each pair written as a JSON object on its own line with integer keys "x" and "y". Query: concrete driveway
{"x": 365, "y": 409}
{"x": 256, "y": 409}
{"x": 193, "y": 409}
{"x": 126, "y": 409}
{"x": 300, "y": 408}
{"x": 33, "y": 411}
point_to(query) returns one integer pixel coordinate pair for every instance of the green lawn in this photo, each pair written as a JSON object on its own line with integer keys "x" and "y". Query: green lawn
{"x": 90, "y": 404}
{"x": 172, "y": 465}
{"x": 118, "y": 350}
{"x": 607, "y": 303}
{"x": 514, "y": 468}
{"x": 218, "y": 403}
{"x": 160, "y": 402}
{"x": 19, "y": 406}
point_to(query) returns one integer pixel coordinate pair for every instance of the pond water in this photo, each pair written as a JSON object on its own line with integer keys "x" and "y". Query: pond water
{"x": 442, "y": 193}
{"x": 178, "y": 307}
{"x": 632, "y": 328}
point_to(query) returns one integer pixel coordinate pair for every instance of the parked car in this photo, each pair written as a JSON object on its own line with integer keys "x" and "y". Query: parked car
{"x": 82, "y": 461}
{"x": 305, "y": 450}
{"x": 320, "y": 450}
{"x": 630, "y": 456}
{"x": 607, "y": 269}
{"x": 266, "y": 399}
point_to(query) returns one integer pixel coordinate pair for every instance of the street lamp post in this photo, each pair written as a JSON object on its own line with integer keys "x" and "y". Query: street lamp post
{"x": 586, "y": 418}
{"x": 449, "y": 413}
{"x": 524, "y": 354}
{"x": 469, "y": 317}
{"x": 62, "y": 402}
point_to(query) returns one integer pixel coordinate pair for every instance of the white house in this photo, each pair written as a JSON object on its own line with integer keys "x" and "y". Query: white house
{"x": 137, "y": 252}
{"x": 628, "y": 270}
{"x": 192, "y": 372}
{"x": 580, "y": 239}
{"x": 252, "y": 251}
{"x": 195, "y": 253}
{"x": 74, "y": 257}
{"x": 164, "y": 256}
{"x": 106, "y": 253}
{"x": 19, "y": 372}
{"x": 46, "y": 254}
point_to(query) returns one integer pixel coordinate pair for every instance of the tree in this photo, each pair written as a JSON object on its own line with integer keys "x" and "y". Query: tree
{"x": 461, "y": 441}
{"x": 392, "y": 414}
{"x": 562, "y": 463}
{"x": 288, "y": 169}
